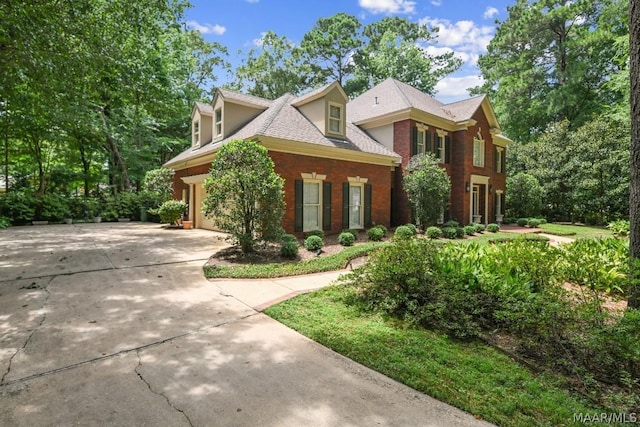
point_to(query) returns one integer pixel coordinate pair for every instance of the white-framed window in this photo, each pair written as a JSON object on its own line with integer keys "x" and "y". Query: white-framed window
{"x": 356, "y": 201}
{"x": 440, "y": 148}
{"x": 335, "y": 118}
{"x": 421, "y": 141}
{"x": 499, "y": 159}
{"x": 196, "y": 133}
{"x": 312, "y": 205}
{"x": 478, "y": 151}
{"x": 218, "y": 122}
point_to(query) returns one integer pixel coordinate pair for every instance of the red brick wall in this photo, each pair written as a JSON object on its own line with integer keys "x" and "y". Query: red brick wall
{"x": 179, "y": 185}
{"x": 402, "y": 146}
{"x": 290, "y": 166}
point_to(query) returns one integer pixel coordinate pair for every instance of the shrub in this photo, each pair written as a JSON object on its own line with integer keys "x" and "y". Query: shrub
{"x": 346, "y": 239}
{"x": 318, "y": 233}
{"x": 289, "y": 249}
{"x": 493, "y": 228}
{"x": 522, "y": 222}
{"x": 460, "y": 233}
{"x": 413, "y": 228}
{"x": 18, "y": 206}
{"x": 403, "y": 232}
{"x": 508, "y": 220}
{"x": 434, "y": 232}
{"x": 542, "y": 221}
{"x": 469, "y": 230}
{"x": 533, "y": 222}
{"x": 383, "y": 228}
{"x": 353, "y": 232}
{"x": 479, "y": 228}
{"x": 170, "y": 211}
{"x": 313, "y": 243}
{"x": 451, "y": 223}
{"x": 619, "y": 228}
{"x": 288, "y": 238}
{"x": 4, "y": 222}
{"x": 375, "y": 234}
{"x": 449, "y": 232}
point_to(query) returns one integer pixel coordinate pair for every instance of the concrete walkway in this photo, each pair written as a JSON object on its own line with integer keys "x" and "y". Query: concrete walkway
{"x": 114, "y": 324}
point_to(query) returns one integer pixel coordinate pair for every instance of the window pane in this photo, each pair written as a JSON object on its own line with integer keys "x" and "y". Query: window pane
{"x": 311, "y": 218}
{"x": 334, "y": 126}
{"x": 311, "y": 193}
{"x": 355, "y": 206}
{"x": 334, "y": 111}
{"x": 355, "y": 217}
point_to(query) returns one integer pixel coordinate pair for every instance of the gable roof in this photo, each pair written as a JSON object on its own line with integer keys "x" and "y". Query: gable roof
{"x": 284, "y": 122}
{"x": 242, "y": 98}
{"x": 204, "y": 108}
{"x": 392, "y": 96}
{"x": 317, "y": 93}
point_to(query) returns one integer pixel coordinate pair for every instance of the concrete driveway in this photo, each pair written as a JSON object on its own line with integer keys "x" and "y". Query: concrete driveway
{"x": 114, "y": 324}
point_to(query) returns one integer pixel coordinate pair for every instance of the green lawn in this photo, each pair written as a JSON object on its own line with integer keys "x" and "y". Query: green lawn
{"x": 487, "y": 237}
{"x": 576, "y": 231}
{"x": 472, "y": 376}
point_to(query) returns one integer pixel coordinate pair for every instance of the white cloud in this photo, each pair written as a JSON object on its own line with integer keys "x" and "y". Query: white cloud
{"x": 465, "y": 38}
{"x": 490, "y": 12}
{"x": 207, "y": 28}
{"x": 388, "y": 6}
{"x": 455, "y": 88}
{"x": 436, "y": 2}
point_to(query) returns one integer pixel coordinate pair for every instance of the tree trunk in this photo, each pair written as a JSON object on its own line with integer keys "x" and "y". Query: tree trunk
{"x": 634, "y": 188}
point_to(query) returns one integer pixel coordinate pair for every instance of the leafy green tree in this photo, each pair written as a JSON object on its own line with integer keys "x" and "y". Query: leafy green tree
{"x": 329, "y": 46}
{"x": 428, "y": 187}
{"x": 397, "y": 48}
{"x": 634, "y": 202}
{"x": 549, "y": 61}
{"x": 524, "y": 195}
{"x": 245, "y": 194}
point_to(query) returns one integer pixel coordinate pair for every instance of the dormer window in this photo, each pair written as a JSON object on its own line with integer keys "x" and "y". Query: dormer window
{"x": 335, "y": 118}
{"x": 218, "y": 122}
{"x": 196, "y": 133}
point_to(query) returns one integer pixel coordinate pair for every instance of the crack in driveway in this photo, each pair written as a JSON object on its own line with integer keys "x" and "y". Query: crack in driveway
{"x": 184, "y": 414}
{"x": 33, "y": 331}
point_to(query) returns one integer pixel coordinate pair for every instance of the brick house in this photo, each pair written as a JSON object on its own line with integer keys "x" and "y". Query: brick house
{"x": 342, "y": 161}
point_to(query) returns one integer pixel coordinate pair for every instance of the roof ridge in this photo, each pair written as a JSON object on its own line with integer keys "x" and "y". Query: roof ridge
{"x": 273, "y": 111}
{"x": 404, "y": 96}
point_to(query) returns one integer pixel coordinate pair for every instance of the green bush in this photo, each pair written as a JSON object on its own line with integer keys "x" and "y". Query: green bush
{"x": 353, "y": 232}
{"x": 460, "y": 233}
{"x": 542, "y": 221}
{"x": 346, "y": 239}
{"x": 18, "y": 206}
{"x": 4, "y": 222}
{"x": 508, "y": 220}
{"x": 51, "y": 207}
{"x": 288, "y": 238}
{"x": 479, "y": 228}
{"x": 469, "y": 230}
{"x": 522, "y": 222}
{"x": 375, "y": 234}
{"x": 449, "y": 232}
{"x": 619, "y": 228}
{"x": 313, "y": 243}
{"x": 493, "y": 228}
{"x": 413, "y": 228}
{"x": 434, "y": 232}
{"x": 289, "y": 249}
{"x": 451, "y": 223}
{"x": 383, "y": 228}
{"x": 533, "y": 222}
{"x": 170, "y": 211}
{"x": 318, "y": 233}
{"x": 403, "y": 232}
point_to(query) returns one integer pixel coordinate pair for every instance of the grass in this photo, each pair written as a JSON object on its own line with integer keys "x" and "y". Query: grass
{"x": 330, "y": 262}
{"x": 575, "y": 231}
{"x": 488, "y": 237}
{"x": 471, "y": 376}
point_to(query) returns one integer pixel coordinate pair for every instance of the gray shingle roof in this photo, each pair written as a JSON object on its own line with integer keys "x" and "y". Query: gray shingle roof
{"x": 204, "y": 108}
{"x": 285, "y": 122}
{"x": 392, "y": 96}
{"x": 244, "y": 98}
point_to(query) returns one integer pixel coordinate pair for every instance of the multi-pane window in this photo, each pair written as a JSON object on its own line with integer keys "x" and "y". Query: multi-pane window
{"x": 196, "y": 133}
{"x": 312, "y": 206}
{"x": 218, "y": 122}
{"x": 478, "y": 152}
{"x": 335, "y": 118}
{"x": 420, "y": 142}
{"x": 356, "y": 195}
{"x": 440, "y": 148}
{"x": 499, "y": 160}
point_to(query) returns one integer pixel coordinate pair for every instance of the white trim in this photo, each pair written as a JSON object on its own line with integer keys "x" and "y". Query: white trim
{"x": 360, "y": 185}
{"x": 341, "y": 124}
{"x": 442, "y": 133}
{"x": 479, "y": 180}
{"x": 216, "y": 123}
{"x": 319, "y": 182}
{"x": 357, "y": 179}
{"x": 313, "y": 176}
{"x": 479, "y": 162}
{"x": 195, "y": 179}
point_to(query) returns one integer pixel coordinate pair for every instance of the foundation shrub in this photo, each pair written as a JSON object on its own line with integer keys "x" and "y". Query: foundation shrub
{"x": 313, "y": 243}
{"x": 434, "y": 232}
{"x": 375, "y": 234}
{"x": 346, "y": 239}
{"x": 403, "y": 232}
{"x": 493, "y": 228}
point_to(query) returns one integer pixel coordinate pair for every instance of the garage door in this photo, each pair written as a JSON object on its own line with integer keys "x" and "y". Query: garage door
{"x": 201, "y": 220}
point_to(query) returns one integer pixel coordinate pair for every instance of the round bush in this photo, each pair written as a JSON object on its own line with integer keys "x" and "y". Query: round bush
{"x": 449, "y": 232}
{"x": 383, "y": 228}
{"x": 451, "y": 223}
{"x": 460, "y": 233}
{"x": 313, "y": 243}
{"x": 469, "y": 229}
{"x": 346, "y": 239}
{"x": 353, "y": 232}
{"x": 493, "y": 228}
{"x": 479, "y": 228}
{"x": 375, "y": 234}
{"x": 434, "y": 232}
{"x": 542, "y": 221}
{"x": 289, "y": 249}
{"x": 288, "y": 238}
{"x": 318, "y": 233}
{"x": 404, "y": 232}
{"x": 413, "y": 228}
{"x": 522, "y": 221}
{"x": 533, "y": 222}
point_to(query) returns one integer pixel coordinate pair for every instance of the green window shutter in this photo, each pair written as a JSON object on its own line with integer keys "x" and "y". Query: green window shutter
{"x": 428, "y": 148}
{"x": 447, "y": 149}
{"x": 326, "y": 206}
{"x": 414, "y": 141}
{"x": 434, "y": 145}
{"x": 495, "y": 160}
{"x": 504, "y": 163}
{"x": 345, "y": 205}
{"x": 299, "y": 188}
{"x": 367, "y": 205}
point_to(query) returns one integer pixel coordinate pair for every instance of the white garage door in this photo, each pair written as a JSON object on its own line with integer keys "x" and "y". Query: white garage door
{"x": 201, "y": 220}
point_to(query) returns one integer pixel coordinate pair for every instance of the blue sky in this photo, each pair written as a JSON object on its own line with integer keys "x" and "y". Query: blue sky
{"x": 466, "y": 26}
